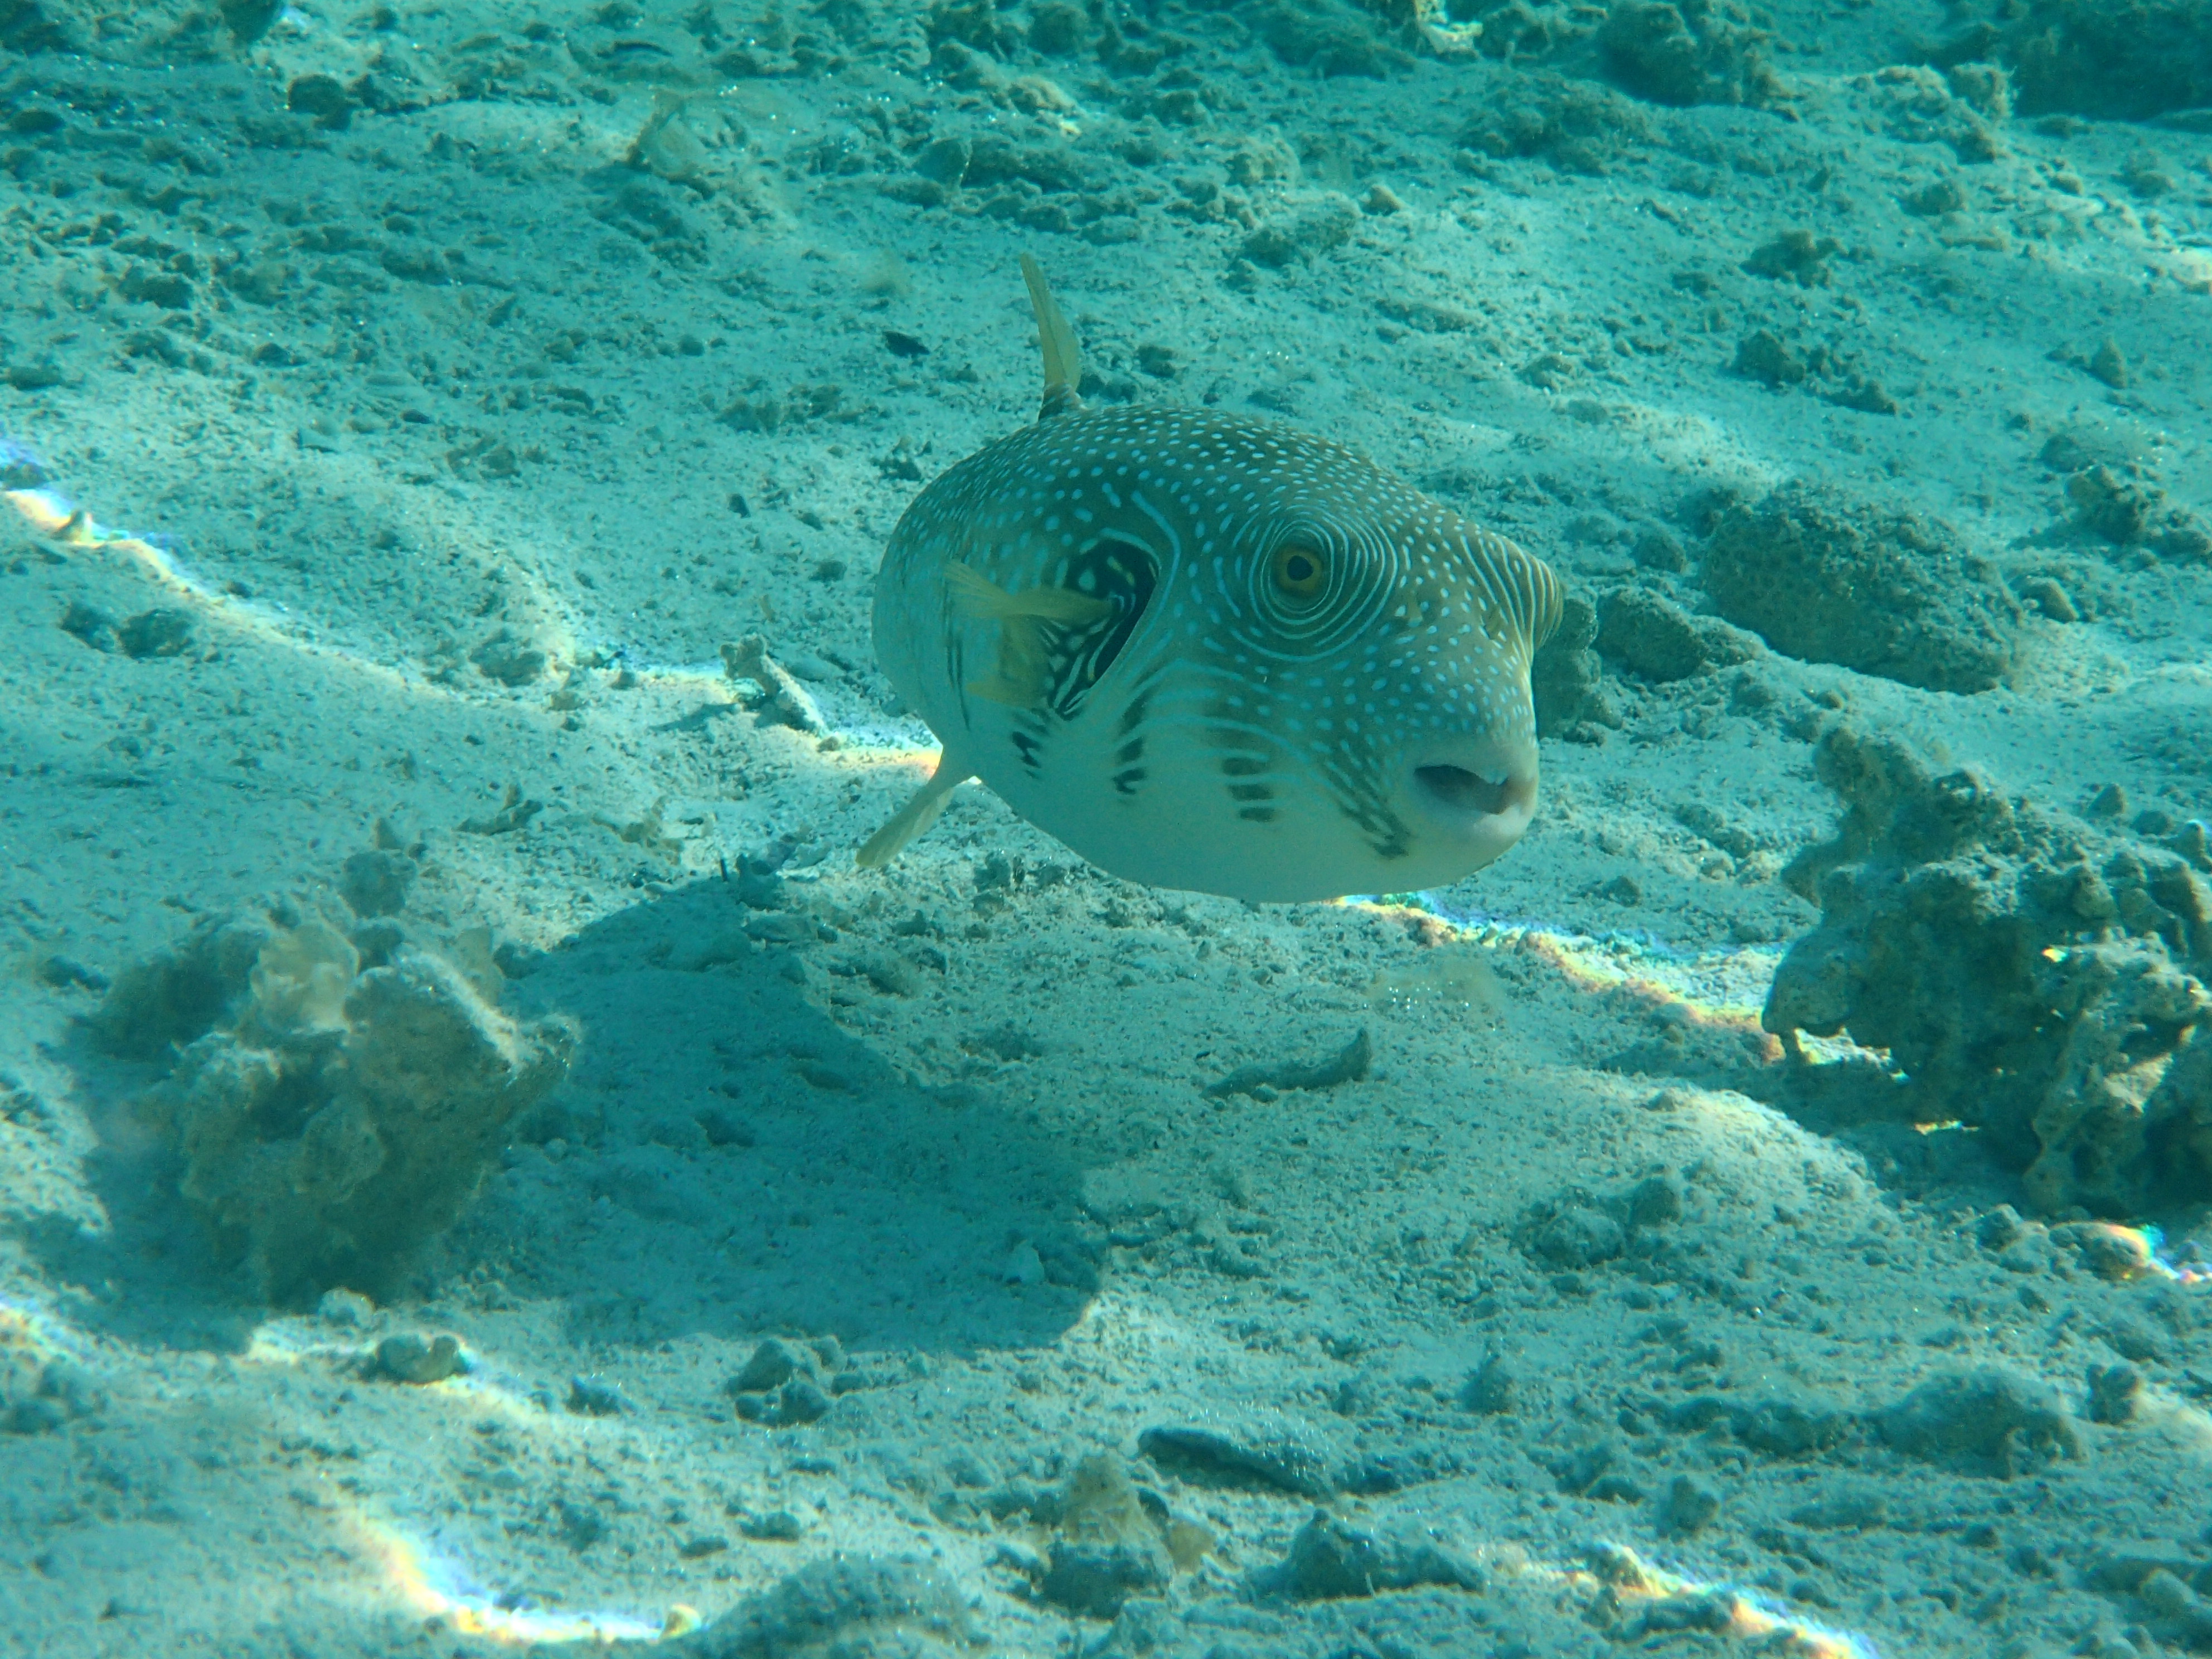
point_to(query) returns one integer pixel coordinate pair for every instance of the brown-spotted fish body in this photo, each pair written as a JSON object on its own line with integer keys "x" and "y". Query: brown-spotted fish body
{"x": 1214, "y": 652}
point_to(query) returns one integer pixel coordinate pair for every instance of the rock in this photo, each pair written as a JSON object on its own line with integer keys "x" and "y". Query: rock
{"x": 1687, "y": 1508}
{"x": 2125, "y": 509}
{"x": 1059, "y": 28}
{"x": 800, "y": 1400}
{"x": 594, "y": 1396}
{"x": 1573, "y": 125}
{"x": 1579, "y": 1238}
{"x": 2109, "y": 62}
{"x": 855, "y": 1605}
{"x": 1348, "y": 1064}
{"x": 2121, "y": 1254}
{"x": 1883, "y": 591}
{"x": 183, "y": 992}
{"x": 1659, "y": 640}
{"x": 1581, "y": 1470}
{"x": 777, "y": 1527}
{"x": 1779, "y": 1426}
{"x": 88, "y": 623}
{"x": 784, "y": 1383}
{"x": 512, "y": 658}
{"x": 1761, "y": 356}
{"x": 1303, "y": 231}
{"x": 1266, "y": 1452}
{"x": 1092, "y": 1578}
{"x": 2000, "y": 1228}
{"x": 323, "y": 97}
{"x": 158, "y": 633}
{"x": 1951, "y": 934}
{"x": 2052, "y": 600}
{"x": 1578, "y": 1229}
{"x": 2115, "y": 1391}
{"x": 1332, "y": 1559}
{"x": 339, "y": 1306}
{"x": 788, "y": 701}
{"x": 1688, "y": 52}
{"x": 330, "y": 1120}
{"x": 40, "y": 1391}
{"x": 1492, "y": 1389}
{"x": 1795, "y": 256}
{"x": 1986, "y": 1421}
{"x": 376, "y": 883}
{"x": 1854, "y": 1508}
{"x": 1331, "y": 39}
{"x": 1567, "y": 677}
{"x": 66, "y": 973}
{"x": 1111, "y": 1541}
{"x": 1656, "y": 1201}
{"x": 772, "y": 1363}
{"x": 1790, "y": 1427}
{"x": 1021, "y": 1266}
{"x": 2135, "y": 1338}
{"x": 411, "y": 1357}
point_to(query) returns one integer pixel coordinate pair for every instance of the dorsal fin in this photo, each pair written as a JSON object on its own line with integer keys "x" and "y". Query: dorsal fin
{"x": 1063, "y": 363}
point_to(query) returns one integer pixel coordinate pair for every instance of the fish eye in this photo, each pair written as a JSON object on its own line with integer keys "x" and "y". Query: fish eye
{"x": 1300, "y": 572}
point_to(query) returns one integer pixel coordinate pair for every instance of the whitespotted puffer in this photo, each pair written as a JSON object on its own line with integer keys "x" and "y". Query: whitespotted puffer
{"x": 1214, "y": 652}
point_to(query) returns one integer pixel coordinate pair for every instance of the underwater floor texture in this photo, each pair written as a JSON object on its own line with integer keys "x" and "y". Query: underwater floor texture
{"x": 481, "y": 1167}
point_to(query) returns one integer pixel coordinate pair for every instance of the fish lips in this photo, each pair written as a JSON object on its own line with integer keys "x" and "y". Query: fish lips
{"x": 1477, "y": 796}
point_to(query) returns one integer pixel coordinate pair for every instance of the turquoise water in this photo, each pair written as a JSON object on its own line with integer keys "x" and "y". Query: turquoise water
{"x": 482, "y": 1164}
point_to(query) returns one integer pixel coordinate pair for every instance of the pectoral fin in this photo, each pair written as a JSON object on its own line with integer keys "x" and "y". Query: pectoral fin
{"x": 975, "y": 594}
{"x": 1024, "y": 674}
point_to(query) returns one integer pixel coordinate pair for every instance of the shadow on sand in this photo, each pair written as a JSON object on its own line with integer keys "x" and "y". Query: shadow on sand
{"x": 724, "y": 1159}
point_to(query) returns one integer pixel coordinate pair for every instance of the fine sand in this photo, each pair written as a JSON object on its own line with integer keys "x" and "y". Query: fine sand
{"x": 405, "y": 406}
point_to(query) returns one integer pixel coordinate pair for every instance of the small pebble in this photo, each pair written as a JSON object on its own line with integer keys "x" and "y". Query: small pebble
{"x": 2052, "y": 600}
{"x": 2114, "y": 1392}
{"x": 2113, "y": 1253}
{"x": 1492, "y": 1389}
{"x": 773, "y": 1362}
{"x": 1688, "y": 1507}
{"x": 777, "y": 1527}
{"x": 345, "y": 1307}
{"x": 2000, "y": 1228}
{"x": 409, "y": 1357}
{"x": 590, "y": 1397}
{"x": 1579, "y": 1238}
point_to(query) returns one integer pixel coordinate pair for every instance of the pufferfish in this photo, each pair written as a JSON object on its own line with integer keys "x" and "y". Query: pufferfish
{"x": 1213, "y": 652}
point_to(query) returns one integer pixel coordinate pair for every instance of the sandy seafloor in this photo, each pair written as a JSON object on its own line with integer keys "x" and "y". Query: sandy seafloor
{"x": 436, "y": 432}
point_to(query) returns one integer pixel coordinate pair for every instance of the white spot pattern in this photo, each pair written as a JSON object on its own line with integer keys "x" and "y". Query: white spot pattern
{"x": 1277, "y": 724}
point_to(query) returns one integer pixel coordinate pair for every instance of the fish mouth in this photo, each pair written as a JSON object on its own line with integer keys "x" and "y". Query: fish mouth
{"x": 1481, "y": 795}
{"x": 1455, "y": 789}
